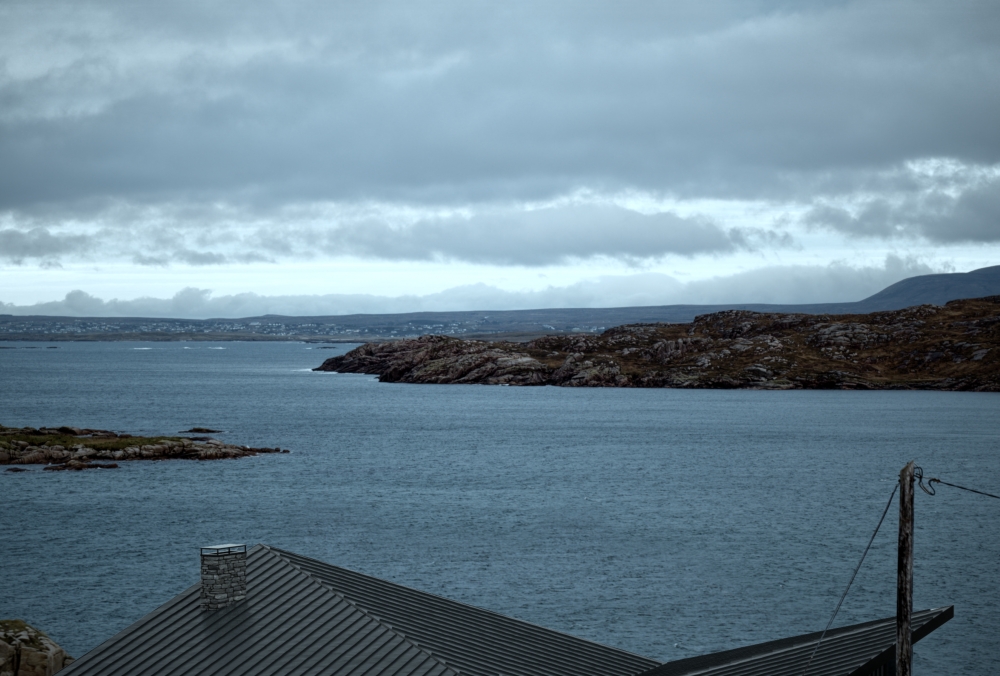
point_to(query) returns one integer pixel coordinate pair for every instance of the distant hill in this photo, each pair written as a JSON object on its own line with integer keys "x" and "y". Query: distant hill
{"x": 935, "y": 289}
{"x": 516, "y": 324}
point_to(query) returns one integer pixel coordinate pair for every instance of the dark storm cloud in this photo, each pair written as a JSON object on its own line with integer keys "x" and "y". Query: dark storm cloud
{"x": 472, "y": 101}
{"x": 16, "y": 246}
{"x": 540, "y": 237}
{"x": 553, "y": 235}
{"x": 972, "y": 215}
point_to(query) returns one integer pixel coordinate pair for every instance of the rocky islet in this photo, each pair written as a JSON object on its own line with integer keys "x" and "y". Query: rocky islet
{"x": 73, "y": 448}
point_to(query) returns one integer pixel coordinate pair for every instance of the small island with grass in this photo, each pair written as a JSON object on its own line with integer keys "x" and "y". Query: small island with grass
{"x": 74, "y": 448}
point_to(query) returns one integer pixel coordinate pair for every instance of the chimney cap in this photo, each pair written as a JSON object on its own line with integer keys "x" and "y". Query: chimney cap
{"x": 223, "y": 549}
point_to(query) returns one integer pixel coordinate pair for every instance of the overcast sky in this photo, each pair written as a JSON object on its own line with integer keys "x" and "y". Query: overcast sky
{"x": 194, "y": 159}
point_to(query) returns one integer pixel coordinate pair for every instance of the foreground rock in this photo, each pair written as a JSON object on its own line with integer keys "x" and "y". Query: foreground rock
{"x": 26, "y": 651}
{"x": 951, "y": 347}
{"x": 72, "y": 448}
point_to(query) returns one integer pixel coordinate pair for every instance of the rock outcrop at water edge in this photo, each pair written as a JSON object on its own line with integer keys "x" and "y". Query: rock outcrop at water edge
{"x": 26, "y": 651}
{"x": 950, "y": 347}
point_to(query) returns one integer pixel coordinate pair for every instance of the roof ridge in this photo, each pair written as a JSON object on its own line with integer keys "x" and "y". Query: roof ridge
{"x": 474, "y": 607}
{"x": 279, "y": 553}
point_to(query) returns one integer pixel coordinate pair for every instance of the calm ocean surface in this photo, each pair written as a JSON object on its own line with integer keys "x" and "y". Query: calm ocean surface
{"x": 668, "y": 523}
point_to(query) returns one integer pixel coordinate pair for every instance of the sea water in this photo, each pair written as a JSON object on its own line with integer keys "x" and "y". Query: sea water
{"x": 665, "y": 522}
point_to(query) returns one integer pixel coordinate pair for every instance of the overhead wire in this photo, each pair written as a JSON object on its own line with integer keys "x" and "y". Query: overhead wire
{"x": 918, "y": 473}
{"x": 851, "y": 581}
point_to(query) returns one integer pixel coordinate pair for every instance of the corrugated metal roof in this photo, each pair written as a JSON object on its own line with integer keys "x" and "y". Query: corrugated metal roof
{"x": 477, "y": 642}
{"x": 303, "y": 617}
{"x": 288, "y": 624}
{"x": 857, "y": 650}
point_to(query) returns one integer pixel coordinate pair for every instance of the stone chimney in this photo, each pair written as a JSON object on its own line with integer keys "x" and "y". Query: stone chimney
{"x": 223, "y": 576}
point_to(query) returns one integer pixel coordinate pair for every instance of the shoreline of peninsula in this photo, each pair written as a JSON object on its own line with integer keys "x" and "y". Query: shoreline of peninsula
{"x": 949, "y": 347}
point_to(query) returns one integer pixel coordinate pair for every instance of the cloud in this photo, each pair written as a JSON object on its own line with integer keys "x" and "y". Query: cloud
{"x": 453, "y": 101}
{"x": 38, "y": 243}
{"x": 211, "y": 134}
{"x": 508, "y": 235}
{"x": 539, "y": 237}
{"x": 941, "y": 213}
{"x": 833, "y": 283}
{"x": 838, "y": 282}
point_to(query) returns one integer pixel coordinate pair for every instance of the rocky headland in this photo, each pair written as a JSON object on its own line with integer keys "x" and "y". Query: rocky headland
{"x": 951, "y": 347}
{"x": 72, "y": 448}
{"x": 26, "y": 651}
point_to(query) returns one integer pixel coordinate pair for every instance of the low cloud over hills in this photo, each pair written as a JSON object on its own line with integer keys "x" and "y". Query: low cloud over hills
{"x": 776, "y": 285}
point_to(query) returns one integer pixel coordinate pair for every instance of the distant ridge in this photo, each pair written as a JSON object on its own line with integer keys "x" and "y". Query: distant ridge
{"x": 935, "y": 289}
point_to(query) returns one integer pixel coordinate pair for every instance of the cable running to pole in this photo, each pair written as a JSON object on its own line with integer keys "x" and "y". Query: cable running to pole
{"x": 853, "y": 575}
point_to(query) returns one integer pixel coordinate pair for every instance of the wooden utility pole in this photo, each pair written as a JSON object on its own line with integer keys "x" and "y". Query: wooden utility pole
{"x": 904, "y": 574}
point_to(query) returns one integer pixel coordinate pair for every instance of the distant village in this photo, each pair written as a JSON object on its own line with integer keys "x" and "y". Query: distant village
{"x": 15, "y": 328}
{"x": 353, "y": 328}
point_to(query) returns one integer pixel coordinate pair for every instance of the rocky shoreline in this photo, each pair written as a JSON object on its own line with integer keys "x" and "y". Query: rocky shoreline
{"x": 73, "y": 448}
{"x": 27, "y": 651}
{"x": 950, "y": 347}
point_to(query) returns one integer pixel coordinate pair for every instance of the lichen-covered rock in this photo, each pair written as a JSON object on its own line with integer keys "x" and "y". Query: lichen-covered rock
{"x": 924, "y": 347}
{"x": 27, "y": 651}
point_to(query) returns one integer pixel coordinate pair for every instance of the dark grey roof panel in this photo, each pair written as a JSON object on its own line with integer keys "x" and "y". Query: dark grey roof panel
{"x": 303, "y": 617}
{"x": 289, "y": 624}
{"x": 476, "y": 642}
{"x": 857, "y": 650}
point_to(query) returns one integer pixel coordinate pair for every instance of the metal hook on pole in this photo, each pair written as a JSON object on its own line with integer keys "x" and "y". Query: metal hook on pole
{"x": 918, "y": 474}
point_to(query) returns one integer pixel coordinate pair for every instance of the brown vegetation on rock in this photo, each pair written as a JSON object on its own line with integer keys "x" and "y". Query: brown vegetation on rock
{"x": 950, "y": 347}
